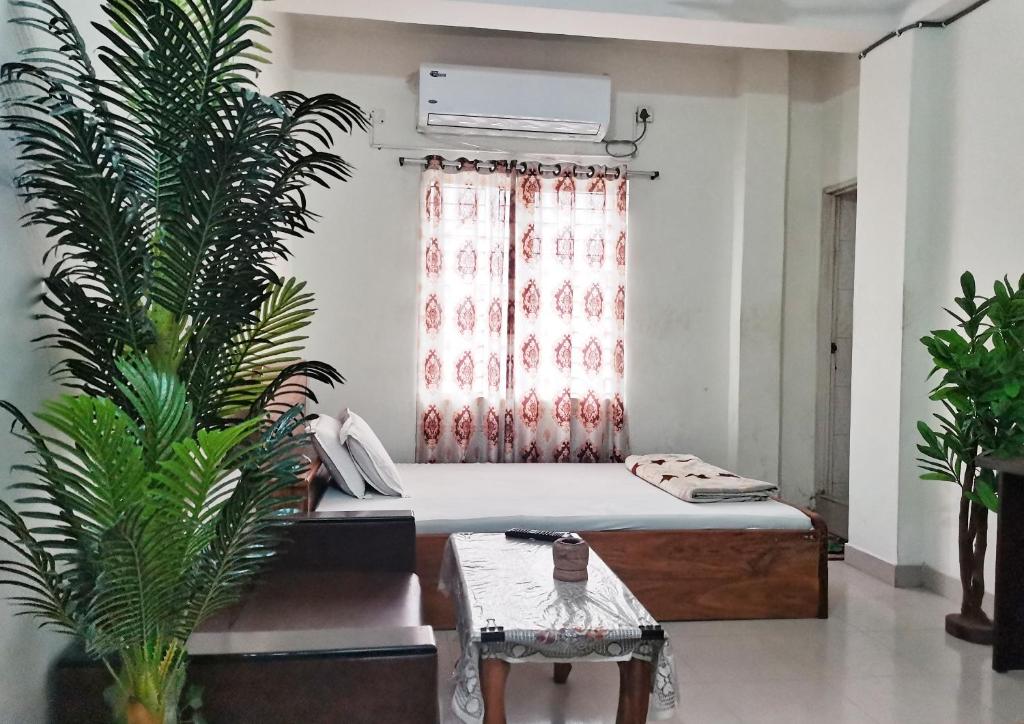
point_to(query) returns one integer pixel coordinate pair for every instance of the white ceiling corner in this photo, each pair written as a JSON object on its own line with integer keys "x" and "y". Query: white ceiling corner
{"x": 844, "y": 26}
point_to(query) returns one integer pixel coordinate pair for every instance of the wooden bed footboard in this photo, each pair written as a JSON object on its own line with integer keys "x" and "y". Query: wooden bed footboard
{"x": 690, "y": 575}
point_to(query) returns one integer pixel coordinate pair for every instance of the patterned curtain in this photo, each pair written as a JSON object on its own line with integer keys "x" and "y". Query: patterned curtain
{"x": 570, "y": 294}
{"x": 463, "y": 295}
{"x": 542, "y": 381}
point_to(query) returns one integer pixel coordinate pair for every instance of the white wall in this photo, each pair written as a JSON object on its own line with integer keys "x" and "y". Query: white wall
{"x": 839, "y": 93}
{"x": 26, "y": 651}
{"x": 757, "y": 264}
{"x": 882, "y": 227}
{"x": 683, "y": 294}
{"x": 362, "y": 260}
{"x": 940, "y": 144}
{"x": 276, "y": 75}
{"x": 823, "y": 105}
{"x": 971, "y": 219}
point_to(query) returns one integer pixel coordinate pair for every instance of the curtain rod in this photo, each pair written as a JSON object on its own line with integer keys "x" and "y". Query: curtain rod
{"x": 553, "y": 168}
{"x": 922, "y": 24}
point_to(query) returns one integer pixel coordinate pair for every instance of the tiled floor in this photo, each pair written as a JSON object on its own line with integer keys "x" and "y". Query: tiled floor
{"x": 882, "y": 656}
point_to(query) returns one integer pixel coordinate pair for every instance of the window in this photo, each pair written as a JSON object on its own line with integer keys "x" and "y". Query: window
{"x": 522, "y": 307}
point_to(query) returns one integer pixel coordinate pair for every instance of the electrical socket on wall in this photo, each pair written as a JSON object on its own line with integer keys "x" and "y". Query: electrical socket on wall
{"x": 639, "y": 115}
{"x": 376, "y": 123}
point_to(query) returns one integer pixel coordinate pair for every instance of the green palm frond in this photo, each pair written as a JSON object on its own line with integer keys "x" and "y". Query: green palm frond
{"x": 136, "y": 528}
{"x": 293, "y": 380}
{"x": 168, "y": 185}
{"x": 169, "y": 188}
{"x": 244, "y": 531}
{"x": 263, "y": 350}
{"x": 168, "y": 415}
{"x": 44, "y": 592}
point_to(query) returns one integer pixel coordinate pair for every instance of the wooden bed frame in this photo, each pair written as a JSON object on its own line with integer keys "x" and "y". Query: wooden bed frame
{"x": 682, "y": 575}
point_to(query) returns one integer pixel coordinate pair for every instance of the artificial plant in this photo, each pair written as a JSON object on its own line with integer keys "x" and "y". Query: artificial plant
{"x": 980, "y": 368}
{"x": 168, "y": 186}
{"x": 141, "y": 526}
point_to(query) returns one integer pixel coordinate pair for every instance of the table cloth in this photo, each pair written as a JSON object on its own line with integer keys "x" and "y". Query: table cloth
{"x": 509, "y": 606}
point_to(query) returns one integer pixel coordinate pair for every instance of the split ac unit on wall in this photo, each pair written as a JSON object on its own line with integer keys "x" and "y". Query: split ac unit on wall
{"x": 498, "y": 102}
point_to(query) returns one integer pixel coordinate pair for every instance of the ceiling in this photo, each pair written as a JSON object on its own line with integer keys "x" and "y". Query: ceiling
{"x": 850, "y": 14}
{"x": 844, "y": 26}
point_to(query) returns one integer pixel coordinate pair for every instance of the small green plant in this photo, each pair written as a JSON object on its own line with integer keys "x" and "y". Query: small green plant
{"x": 980, "y": 367}
{"x": 135, "y": 526}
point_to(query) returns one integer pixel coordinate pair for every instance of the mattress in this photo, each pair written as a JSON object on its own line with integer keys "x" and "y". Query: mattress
{"x": 490, "y": 498}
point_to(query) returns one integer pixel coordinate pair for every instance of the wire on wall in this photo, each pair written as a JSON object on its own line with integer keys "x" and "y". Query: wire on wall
{"x": 632, "y": 143}
{"x": 922, "y": 24}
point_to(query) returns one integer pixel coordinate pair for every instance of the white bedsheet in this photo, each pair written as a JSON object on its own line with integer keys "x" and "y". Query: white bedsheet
{"x": 486, "y": 498}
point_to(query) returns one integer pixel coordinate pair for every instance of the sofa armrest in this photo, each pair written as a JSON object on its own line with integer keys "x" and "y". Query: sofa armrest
{"x": 383, "y": 540}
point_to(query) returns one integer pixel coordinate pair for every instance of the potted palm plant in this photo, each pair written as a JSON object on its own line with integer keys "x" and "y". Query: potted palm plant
{"x": 147, "y": 526}
{"x": 980, "y": 368}
{"x": 168, "y": 186}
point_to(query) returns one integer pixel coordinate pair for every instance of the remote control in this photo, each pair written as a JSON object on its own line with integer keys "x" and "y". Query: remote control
{"x": 546, "y": 535}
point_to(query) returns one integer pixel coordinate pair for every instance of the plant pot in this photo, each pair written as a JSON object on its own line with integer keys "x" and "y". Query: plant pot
{"x": 149, "y": 684}
{"x": 136, "y": 713}
{"x": 973, "y": 630}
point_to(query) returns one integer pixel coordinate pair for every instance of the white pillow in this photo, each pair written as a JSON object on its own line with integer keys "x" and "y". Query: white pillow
{"x": 344, "y": 471}
{"x": 371, "y": 457}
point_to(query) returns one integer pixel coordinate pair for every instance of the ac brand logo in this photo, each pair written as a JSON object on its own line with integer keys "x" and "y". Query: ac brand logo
{"x": 438, "y": 74}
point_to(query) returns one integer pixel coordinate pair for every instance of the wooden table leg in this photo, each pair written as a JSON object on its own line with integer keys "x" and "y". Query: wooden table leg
{"x": 634, "y": 691}
{"x": 620, "y": 714}
{"x": 493, "y": 675}
{"x": 562, "y": 673}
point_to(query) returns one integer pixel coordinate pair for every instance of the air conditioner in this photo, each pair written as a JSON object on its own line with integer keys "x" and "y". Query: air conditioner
{"x": 498, "y": 102}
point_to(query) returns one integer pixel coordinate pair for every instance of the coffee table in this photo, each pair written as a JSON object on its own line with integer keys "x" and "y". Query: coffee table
{"x": 511, "y": 610}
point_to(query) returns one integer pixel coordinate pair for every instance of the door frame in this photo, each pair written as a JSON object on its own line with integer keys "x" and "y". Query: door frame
{"x": 825, "y": 504}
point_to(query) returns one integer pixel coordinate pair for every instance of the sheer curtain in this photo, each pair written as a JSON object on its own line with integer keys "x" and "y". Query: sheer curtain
{"x": 568, "y": 351}
{"x": 522, "y": 307}
{"x": 463, "y": 302}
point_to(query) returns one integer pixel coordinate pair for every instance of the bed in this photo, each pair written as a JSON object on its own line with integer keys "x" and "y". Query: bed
{"x": 684, "y": 561}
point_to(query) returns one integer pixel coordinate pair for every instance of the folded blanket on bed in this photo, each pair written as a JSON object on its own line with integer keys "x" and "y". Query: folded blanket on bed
{"x": 689, "y": 478}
